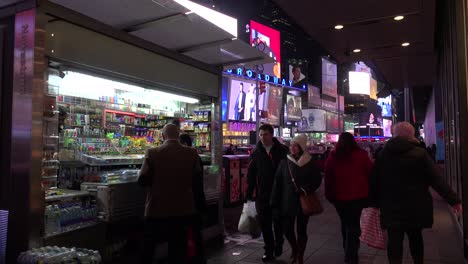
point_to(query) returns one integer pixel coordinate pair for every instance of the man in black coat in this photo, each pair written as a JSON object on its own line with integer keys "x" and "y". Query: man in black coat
{"x": 399, "y": 186}
{"x": 264, "y": 161}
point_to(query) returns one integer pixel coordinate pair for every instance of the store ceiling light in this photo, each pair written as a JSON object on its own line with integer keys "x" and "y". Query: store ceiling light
{"x": 398, "y": 18}
{"x": 405, "y": 44}
{"x": 227, "y": 23}
{"x": 356, "y": 50}
{"x": 339, "y": 27}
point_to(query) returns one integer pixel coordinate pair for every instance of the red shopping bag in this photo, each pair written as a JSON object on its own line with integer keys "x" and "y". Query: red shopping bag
{"x": 371, "y": 231}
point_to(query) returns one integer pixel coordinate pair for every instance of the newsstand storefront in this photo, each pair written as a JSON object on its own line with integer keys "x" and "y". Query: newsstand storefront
{"x": 87, "y": 99}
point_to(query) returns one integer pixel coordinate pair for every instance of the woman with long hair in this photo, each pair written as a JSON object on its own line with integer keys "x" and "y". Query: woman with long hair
{"x": 285, "y": 196}
{"x": 347, "y": 172}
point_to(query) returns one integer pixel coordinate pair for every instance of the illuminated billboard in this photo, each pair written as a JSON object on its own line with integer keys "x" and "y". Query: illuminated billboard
{"x": 268, "y": 41}
{"x": 242, "y": 101}
{"x": 359, "y": 83}
{"x": 386, "y": 106}
{"x": 329, "y": 78}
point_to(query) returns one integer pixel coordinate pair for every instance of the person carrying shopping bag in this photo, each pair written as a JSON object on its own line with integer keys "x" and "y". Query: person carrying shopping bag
{"x": 399, "y": 187}
{"x": 347, "y": 172}
{"x": 296, "y": 174}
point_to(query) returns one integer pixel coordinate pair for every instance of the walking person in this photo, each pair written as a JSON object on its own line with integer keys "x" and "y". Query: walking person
{"x": 173, "y": 177}
{"x": 197, "y": 224}
{"x": 347, "y": 172}
{"x": 399, "y": 186}
{"x": 264, "y": 161}
{"x": 285, "y": 196}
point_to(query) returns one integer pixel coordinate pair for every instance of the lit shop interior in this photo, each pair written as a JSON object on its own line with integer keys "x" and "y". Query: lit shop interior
{"x": 96, "y": 132}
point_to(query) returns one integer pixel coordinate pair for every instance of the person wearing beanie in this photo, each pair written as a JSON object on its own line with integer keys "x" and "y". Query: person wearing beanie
{"x": 285, "y": 197}
{"x": 347, "y": 172}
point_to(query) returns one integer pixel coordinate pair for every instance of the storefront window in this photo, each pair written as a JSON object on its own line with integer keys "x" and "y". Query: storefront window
{"x": 97, "y": 131}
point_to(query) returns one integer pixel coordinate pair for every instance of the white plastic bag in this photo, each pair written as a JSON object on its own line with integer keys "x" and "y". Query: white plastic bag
{"x": 247, "y": 220}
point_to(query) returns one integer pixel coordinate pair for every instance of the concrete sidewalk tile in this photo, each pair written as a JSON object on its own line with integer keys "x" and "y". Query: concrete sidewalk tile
{"x": 326, "y": 256}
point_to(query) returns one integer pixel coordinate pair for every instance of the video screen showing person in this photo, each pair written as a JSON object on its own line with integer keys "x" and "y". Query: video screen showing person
{"x": 242, "y": 101}
{"x": 275, "y": 97}
{"x": 297, "y": 74}
{"x": 294, "y": 107}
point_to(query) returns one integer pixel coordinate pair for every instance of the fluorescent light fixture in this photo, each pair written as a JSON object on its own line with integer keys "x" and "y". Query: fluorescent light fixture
{"x": 90, "y": 87}
{"x": 356, "y": 50}
{"x": 339, "y": 27}
{"x": 405, "y": 44}
{"x": 189, "y": 12}
{"x": 398, "y": 18}
{"x": 227, "y": 23}
{"x": 359, "y": 83}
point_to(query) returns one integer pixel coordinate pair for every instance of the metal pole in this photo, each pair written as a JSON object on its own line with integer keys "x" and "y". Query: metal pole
{"x": 339, "y": 114}
{"x": 407, "y": 104}
{"x": 257, "y": 95}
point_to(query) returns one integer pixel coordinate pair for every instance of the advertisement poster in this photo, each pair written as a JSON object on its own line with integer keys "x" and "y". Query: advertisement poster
{"x": 329, "y": 78}
{"x": 275, "y": 98}
{"x": 373, "y": 89}
{"x": 297, "y": 74}
{"x": 387, "y": 128}
{"x": 242, "y": 101}
{"x": 386, "y": 106}
{"x": 329, "y": 105}
{"x": 313, "y": 120}
{"x": 332, "y": 123}
{"x": 359, "y": 83}
{"x": 314, "y": 97}
{"x": 268, "y": 42}
{"x": 294, "y": 108}
{"x": 342, "y": 104}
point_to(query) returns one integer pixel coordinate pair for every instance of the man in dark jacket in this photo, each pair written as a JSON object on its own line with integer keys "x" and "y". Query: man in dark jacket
{"x": 399, "y": 186}
{"x": 262, "y": 167}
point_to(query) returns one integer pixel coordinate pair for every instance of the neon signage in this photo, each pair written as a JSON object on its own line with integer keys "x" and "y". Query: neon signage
{"x": 265, "y": 78}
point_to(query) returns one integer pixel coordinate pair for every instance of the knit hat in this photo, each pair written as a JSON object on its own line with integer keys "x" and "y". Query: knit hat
{"x": 301, "y": 140}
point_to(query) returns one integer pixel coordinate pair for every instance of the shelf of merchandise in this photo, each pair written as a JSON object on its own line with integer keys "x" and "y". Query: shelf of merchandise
{"x": 78, "y": 228}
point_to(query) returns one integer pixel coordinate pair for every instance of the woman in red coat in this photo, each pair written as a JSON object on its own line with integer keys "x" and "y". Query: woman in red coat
{"x": 347, "y": 172}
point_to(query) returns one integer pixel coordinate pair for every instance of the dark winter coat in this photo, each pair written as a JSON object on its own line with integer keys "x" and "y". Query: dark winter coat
{"x": 284, "y": 197}
{"x": 261, "y": 172}
{"x": 399, "y": 185}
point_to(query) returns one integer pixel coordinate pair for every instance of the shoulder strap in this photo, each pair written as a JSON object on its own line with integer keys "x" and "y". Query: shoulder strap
{"x": 291, "y": 175}
{"x": 294, "y": 180}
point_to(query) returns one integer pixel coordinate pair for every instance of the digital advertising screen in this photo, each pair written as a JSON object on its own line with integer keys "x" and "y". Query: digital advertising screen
{"x": 294, "y": 108}
{"x": 313, "y": 120}
{"x": 359, "y": 83}
{"x": 386, "y": 106}
{"x": 373, "y": 89}
{"x": 314, "y": 99}
{"x": 372, "y": 119}
{"x": 297, "y": 74}
{"x": 242, "y": 101}
{"x": 332, "y": 122}
{"x": 387, "y": 128}
{"x": 329, "y": 78}
{"x": 274, "y": 103}
{"x": 268, "y": 41}
{"x": 342, "y": 106}
{"x": 329, "y": 105}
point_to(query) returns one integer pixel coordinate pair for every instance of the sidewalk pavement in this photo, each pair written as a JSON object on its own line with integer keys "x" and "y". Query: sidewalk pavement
{"x": 443, "y": 243}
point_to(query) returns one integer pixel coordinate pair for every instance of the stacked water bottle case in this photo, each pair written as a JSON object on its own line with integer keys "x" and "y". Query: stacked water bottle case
{"x": 59, "y": 255}
{"x": 69, "y": 211}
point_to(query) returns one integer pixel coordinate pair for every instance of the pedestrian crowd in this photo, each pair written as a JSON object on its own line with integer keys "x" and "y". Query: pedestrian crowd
{"x": 282, "y": 181}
